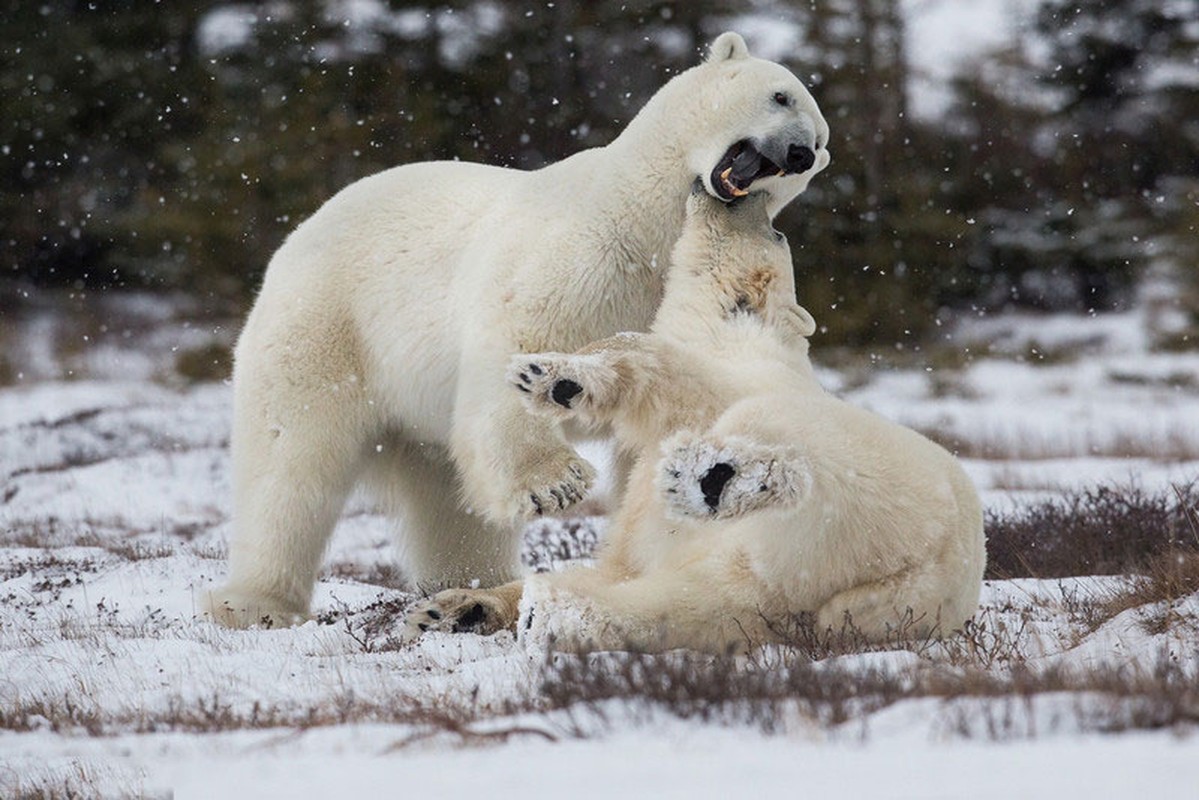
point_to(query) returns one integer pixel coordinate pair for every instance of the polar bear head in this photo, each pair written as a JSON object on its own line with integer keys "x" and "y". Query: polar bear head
{"x": 730, "y": 263}
{"x": 754, "y": 125}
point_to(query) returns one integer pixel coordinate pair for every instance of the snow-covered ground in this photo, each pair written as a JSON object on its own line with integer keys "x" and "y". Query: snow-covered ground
{"x": 114, "y": 504}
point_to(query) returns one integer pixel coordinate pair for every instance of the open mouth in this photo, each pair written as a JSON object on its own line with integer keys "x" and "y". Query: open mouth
{"x": 739, "y": 167}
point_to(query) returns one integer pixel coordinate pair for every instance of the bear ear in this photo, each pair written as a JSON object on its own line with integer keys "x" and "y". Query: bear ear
{"x": 727, "y": 47}
{"x": 807, "y": 325}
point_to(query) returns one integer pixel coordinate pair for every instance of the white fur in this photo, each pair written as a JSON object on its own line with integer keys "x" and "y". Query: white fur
{"x": 377, "y": 348}
{"x": 764, "y": 477}
{"x": 831, "y": 511}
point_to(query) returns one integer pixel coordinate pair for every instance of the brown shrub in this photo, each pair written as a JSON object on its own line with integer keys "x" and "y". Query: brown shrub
{"x": 1097, "y": 531}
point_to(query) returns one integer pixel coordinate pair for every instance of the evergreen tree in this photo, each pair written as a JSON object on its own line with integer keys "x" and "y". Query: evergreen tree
{"x": 1087, "y": 172}
{"x": 176, "y": 145}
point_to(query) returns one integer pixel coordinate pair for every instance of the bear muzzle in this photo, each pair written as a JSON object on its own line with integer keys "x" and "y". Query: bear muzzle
{"x": 800, "y": 158}
{"x": 748, "y": 161}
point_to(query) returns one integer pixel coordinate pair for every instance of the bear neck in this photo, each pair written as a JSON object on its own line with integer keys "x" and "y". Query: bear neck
{"x": 649, "y": 175}
{"x": 693, "y": 307}
{"x": 696, "y": 314}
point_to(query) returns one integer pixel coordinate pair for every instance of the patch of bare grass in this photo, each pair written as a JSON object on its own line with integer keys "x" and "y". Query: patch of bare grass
{"x": 206, "y": 363}
{"x": 1176, "y": 445}
{"x": 48, "y": 567}
{"x": 1169, "y": 577}
{"x": 1104, "y": 699}
{"x": 553, "y": 542}
{"x": 987, "y": 641}
{"x": 776, "y": 694}
{"x": 73, "y": 779}
{"x": 137, "y": 549}
{"x": 719, "y": 689}
{"x": 373, "y": 628}
{"x": 113, "y": 534}
{"x": 49, "y": 532}
{"x": 1171, "y": 380}
{"x": 1104, "y": 530}
{"x": 218, "y": 713}
{"x": 384, "y": 574}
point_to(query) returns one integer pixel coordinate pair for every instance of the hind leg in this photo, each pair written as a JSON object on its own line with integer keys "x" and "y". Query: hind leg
{"x": 295, "y": 456}
{"x": 709, "y": 604}
{"x": 915, "y": 603}
{"x": 441, "y": 543}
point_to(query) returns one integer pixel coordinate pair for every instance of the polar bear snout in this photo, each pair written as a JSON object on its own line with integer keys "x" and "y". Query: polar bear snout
{"x": 751, "y": 160}
{"x": 800, "y": 158}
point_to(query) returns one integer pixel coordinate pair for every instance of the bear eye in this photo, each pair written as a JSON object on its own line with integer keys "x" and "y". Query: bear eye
{"x": 782, "y": 98}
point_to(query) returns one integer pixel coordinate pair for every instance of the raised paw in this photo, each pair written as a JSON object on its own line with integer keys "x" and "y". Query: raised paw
{"x": 557, "y": 384}
{"x": 555, "y": 484}
{"x": 481, "y": 611}
{"x": 725, "y": 478}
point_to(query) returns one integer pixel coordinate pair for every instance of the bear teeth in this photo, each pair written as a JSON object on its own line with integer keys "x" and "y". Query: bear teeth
{"x": 733, "y": 188}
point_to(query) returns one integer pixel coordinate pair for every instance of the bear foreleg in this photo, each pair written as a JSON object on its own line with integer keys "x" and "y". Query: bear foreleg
{"x": 591, "y": 386}
{"x": 724, "y": 477}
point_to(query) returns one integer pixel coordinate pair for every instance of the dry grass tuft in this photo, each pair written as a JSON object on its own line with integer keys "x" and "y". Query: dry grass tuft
{"x": 374, "y": 627}
{"x": 1175, "y": 445}
{"x": 1097, "y": 531}
{"x": 73, "y": 779}
{"x": 767, "y": 693}
{"x": 1169, "y": 577}
{"x": 216, "y": 713}
{"x": 776, "y": 693}
{"x": 210, "y": 362}
{"x": 383, "y": 574}
{"x": 553, "y": 542}
{"x": 1105, "y": 699}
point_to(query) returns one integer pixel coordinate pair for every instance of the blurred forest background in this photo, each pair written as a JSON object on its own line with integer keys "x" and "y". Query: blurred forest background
{"x": 173, "y": 145}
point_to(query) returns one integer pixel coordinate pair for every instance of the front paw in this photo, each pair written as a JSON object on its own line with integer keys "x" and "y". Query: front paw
{"x": 554, "y": 484}
{"x": 556, "y": 384}
{"x": 722, "y": 479}
{"x": 459, "y": 611}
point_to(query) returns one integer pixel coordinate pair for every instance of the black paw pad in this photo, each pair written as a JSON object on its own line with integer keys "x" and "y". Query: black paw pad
{"x": 713, "y": 481}
{"x": 471, "y": 620}
{"x": 564, "y": 391}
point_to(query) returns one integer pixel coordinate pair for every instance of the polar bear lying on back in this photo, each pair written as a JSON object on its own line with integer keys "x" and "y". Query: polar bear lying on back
{"x": 375, "y": 353}
{"x": 756, "y": 495}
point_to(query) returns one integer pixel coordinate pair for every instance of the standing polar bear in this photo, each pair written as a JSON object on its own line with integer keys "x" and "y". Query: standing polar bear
{"x": 756, "y": 495}
{"x": 376, "y": 350}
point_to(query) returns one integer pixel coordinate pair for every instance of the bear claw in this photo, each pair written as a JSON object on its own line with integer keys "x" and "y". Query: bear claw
{"x": 455, "y": 611}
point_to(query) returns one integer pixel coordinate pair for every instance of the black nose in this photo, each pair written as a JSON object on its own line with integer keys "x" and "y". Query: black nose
{"x": 799, "y": 158}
